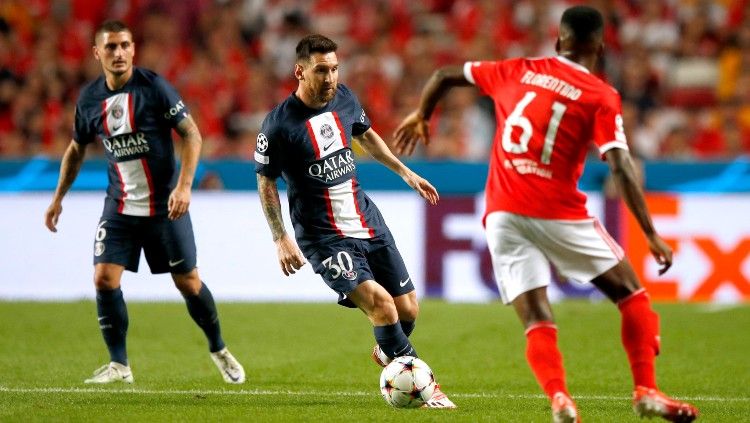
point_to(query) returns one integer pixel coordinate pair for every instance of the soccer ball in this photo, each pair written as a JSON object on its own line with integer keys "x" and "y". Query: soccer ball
{"x": 407, "y": 382}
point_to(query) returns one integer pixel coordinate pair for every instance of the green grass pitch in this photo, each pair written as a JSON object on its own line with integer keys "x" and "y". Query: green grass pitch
{"x": 310, "y": 362}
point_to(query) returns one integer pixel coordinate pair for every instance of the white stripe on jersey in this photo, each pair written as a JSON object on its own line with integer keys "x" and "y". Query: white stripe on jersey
{"x": 136, "y": 185}
{"x": 612, "y": 144}
{"x": 346, "y": 216}
{"x": 467, "y": 71}
{"x": 117, "y": 115}
{"x": 326, "y": 134}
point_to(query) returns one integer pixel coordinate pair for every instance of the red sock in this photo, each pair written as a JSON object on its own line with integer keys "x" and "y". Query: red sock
{"x": 640, "y": 337}
{"x": 544, "y": 357}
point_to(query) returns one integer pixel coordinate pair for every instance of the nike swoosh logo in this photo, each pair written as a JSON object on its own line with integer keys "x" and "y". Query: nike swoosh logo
{"x": 117, "y": 128}
{"x": 175, "y": 263}
{"x": 326, "y": 147}
{"x": 234, "y": 379}
{"x": 403, "y": 283}
{"x": 101, "y": 318}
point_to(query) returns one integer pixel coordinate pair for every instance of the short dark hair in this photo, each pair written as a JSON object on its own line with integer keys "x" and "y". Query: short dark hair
{"x": 111, "y": 26}
{"x": 314, "y": 43}
{"x": 585, "y": 23}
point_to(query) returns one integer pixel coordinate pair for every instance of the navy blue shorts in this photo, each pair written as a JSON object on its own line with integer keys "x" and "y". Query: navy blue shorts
{"x": 345, "y": 263}
{"x": 169, "y": 245}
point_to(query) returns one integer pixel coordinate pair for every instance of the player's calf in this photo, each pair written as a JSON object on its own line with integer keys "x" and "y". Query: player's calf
{"x": 392, "y": 341}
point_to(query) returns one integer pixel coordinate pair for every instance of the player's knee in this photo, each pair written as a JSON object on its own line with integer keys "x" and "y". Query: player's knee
{"x": 619, "y": 282}
{"x": 409, "y": 310}
{"x": 188, "y": 283}
{"x": 105, "y": 282}
{"x": 384, "y": 310}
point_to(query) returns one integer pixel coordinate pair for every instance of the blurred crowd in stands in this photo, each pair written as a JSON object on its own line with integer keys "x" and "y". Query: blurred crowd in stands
{"x": 681, "y": 66}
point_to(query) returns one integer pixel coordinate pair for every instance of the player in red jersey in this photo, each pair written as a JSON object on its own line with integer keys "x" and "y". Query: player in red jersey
{"x": 548, "y": 110}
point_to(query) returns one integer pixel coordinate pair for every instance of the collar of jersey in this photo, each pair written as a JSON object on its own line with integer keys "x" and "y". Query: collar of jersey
{"x": 572, "y": 63}
{"x": 127, "y": 83}
{"x": 302, "y": 103}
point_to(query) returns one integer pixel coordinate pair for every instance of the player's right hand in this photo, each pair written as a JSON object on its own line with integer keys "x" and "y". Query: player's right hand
{"x": 661, "y": 251}
{"x": 290, "y": 256}
{"x": 423, "y": 187}
{"x": 52, "y": 215}
{"x": 411, "y": 130}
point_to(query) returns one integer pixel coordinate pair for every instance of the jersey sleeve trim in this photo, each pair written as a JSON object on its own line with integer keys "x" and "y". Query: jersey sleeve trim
{"x": 261, "y": 158}
{"x": 612, "y": 144}
{"x": 467, "y": 72}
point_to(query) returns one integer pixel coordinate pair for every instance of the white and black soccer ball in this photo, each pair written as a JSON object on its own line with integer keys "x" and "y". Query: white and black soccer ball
{"x": 407, "y": 382}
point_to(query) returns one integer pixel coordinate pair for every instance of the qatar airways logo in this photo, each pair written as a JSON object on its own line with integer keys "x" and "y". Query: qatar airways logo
{"x": 333, "y": 167}
{"x": 126, "y": 144}
{"x": 174, "y": 110}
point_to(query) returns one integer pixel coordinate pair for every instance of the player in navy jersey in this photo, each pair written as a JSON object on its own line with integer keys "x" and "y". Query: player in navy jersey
{"x": 307, "y": 140}
{"x": 133, "y": 111}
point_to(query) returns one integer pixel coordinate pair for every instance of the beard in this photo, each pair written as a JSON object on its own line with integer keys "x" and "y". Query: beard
{"x": 119, "y": 70}
{"x": 324, "y": 96}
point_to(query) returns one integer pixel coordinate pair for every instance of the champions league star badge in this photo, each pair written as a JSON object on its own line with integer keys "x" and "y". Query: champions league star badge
{"x": 261, "y": 143}
{"x": 326, "y": 131}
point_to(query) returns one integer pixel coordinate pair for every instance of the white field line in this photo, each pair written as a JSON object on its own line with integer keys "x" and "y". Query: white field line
{"x": 719, "y": 308}
{"x": 261, "y": 392}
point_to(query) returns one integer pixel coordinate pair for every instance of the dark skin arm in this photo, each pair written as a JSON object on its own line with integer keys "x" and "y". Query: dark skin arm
{"x": 290, "y": 256}
{"x": 626, "y": 180}
{"x": 415, "y": 126}
{"x": 69, "y": 168}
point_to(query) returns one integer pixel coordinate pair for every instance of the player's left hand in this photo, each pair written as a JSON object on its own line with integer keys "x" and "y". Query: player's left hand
{"x": 410, "y": 131}
{"x": 424, "y": 188}
{"x": 52, "y": 215}
{"x": 290, "y": 256}
{"x": 179, "y": 201}
{"x": 661, "y": 251}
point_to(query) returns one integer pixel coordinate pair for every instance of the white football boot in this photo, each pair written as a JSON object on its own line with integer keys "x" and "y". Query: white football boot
{"x": 379, "y": 357}
{"x": 110, "y": 373}
{"x": 231, "y": 369}
{"x": 439, "y": 400}
{"x": 564, "y": 409}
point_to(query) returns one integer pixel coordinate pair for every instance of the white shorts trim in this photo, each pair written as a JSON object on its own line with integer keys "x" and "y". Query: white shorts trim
{"x": 523, "y": 248}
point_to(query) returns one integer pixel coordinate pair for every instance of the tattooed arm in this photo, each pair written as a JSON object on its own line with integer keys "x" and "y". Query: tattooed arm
{"x": 290, "y": 256}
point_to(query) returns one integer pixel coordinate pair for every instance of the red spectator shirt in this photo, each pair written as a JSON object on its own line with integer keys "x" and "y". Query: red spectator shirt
{"x": 548, "y": 111}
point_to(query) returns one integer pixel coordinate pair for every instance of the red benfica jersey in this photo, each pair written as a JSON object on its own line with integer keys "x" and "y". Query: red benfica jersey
{"x": 548, "y": 111}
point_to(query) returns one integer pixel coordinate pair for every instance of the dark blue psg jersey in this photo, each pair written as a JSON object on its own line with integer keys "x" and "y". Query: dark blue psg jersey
{"x": 311, "y": 150}
{"x": 135, "y": 125}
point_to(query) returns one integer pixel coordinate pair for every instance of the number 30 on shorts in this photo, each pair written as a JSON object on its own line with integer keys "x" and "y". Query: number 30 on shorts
{"x": 344, "y": 266}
